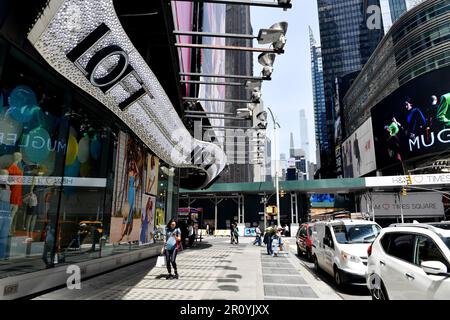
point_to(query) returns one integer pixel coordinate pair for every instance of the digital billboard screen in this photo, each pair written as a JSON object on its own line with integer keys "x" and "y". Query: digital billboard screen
{"x": 414, "y": 120}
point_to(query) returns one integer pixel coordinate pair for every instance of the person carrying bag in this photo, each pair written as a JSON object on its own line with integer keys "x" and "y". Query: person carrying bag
{"x": 173, "y": 235}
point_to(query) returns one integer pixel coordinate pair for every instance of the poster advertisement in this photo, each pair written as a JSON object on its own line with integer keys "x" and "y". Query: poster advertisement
{"x": 420, "y": 205}
{"x": 151, "y": 185}
{"x": 413, "y": 121}
{"x": 148, "y": 219}
{"x": 128, "y": 189}
{"x": 358, "y": 152}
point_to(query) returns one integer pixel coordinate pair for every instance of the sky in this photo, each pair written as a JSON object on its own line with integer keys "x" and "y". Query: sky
{"x": 291, "y": 86}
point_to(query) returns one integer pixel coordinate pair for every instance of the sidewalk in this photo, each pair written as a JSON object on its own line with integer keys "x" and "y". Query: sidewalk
{"x": 214, "y": 269}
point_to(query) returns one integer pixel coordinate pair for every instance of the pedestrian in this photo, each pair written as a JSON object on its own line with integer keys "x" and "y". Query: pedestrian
{"x": 286, "y": 231}
{"x": 236, "y": 234}
{"x": 173, "y": 234}
{"x": 277, "y": 242}
{"x": 232, "y": 233}
{"x": 268, "y": 238}
{"x": 191, "y": 234}
{"x": 258, "y": 236}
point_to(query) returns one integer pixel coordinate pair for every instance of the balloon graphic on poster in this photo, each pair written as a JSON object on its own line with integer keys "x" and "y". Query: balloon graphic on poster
{"x": 96, "y": 148}
{"x": 85, "y": 169}
{"x": 35, "y": 145}
{"x": 23, "y": 114}
{"x": 83, "y": 149}
{"x": 72, "y": 150}
{"x": 48, "y": 165}
{"x": 10, "y": 130}
{"x": 22, "y": 96}
{"x": 73, "y": 170}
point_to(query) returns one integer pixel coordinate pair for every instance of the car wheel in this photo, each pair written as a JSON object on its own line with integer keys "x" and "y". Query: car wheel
{"x": 379, "y": 293}
{"x": 308, "y": 254}
{"x": 338, "y": 278}
{"x": 316, "y": 264}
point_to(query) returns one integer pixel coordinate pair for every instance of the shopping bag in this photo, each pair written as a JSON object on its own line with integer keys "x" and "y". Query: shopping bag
{"x": 161, "y": 262}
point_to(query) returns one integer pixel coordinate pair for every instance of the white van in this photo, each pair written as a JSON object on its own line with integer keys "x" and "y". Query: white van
{"x": 340, "y": 248}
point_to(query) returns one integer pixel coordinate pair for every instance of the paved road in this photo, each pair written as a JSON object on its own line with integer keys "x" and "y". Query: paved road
{"x": 215, "y": 269}
{"x": 353, "y": 292}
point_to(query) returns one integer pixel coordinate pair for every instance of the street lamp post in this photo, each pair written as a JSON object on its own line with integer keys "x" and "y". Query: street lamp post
{"x": 277, "y": 183}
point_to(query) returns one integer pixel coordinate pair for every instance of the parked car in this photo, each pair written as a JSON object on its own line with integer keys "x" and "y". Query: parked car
{"x": 304, "y": 240}
{"x": 410, "y": 261}
{"x": 442, "y": 225}
{"x": 340, "y": 248}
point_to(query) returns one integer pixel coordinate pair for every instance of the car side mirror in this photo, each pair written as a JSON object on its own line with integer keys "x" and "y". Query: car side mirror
{"x": 434, "y": 267}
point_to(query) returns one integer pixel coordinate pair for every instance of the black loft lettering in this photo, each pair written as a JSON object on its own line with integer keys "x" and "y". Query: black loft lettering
{"x": 116, "y": 74}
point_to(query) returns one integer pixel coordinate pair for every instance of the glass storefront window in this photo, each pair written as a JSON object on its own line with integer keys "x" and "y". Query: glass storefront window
{"x": 33, "y": 143}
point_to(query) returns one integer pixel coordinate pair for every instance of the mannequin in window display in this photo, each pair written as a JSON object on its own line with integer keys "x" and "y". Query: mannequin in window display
{"x": 16, "y": 188}
{"x": 127, "y": 223}
{"x": 31, "y": 212}
{"x": 5, "y": 212}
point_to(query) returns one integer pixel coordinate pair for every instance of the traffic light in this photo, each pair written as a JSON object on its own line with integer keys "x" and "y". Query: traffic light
{"x": 408, "y": 179}
{"x": 404, "y": 192}
{"x": 282, "y": 193}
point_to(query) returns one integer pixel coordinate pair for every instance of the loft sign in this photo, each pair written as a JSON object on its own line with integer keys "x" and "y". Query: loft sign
{"x": 115, "y": 75}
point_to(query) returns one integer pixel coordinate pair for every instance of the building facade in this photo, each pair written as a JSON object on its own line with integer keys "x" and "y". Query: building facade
{"x": 88, "y": 170}
{"x": 238, "y": 63}
{"x": 346, "y": 44}
{"x": 320, "y": 116}
{"x": 407, "y": 73}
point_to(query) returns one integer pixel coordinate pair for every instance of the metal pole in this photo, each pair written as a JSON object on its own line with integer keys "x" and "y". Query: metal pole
{"x": 265, "y": 217}
{"x": 236, "y": 84}
{"x": 275, "y": 134}
{"x": 205, "y": 112}
{"x": 213, "y": 117}
{"x": 215, "y": 35}
{"x": 215, "y": 213}
{"x": 235, "y": 48}
{"x": 248, "y": 3}
{"x": 217, "y": 100}
{"x": 401, "y": 206}
{"x": 225, "y": 76}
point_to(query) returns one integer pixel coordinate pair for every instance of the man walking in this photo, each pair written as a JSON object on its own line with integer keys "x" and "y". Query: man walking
{"x": 258, "y": 236}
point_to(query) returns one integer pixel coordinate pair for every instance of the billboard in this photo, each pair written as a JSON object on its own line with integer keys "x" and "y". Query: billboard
{"x": 151, "y": 185}
{"x": 414, "y": 120}
{"x": 358, "y": 152}
{"x": 420, "y": 205}
{"x": 183, "y": 21}
{"x": 325, "y": 200}
{"x": 213, "y": 61}
{"x": 126, "y": 220}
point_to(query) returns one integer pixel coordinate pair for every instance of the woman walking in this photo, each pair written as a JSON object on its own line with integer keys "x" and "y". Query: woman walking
{"x": 173, "y": 234}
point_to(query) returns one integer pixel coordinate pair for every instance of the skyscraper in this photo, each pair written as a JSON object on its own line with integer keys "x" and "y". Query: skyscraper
{"x": 320, "y": 116}
{"x": 238, "y": 63}
{"x": 347, "y": 44}
{"x": 391, "y": 10}
{"x": 303, "y": 128}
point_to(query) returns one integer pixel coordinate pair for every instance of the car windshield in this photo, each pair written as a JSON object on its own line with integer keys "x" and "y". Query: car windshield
{"x": 447, "y": 241}
{"x": 445, "y": 226}
{"x": 364, "y": 233}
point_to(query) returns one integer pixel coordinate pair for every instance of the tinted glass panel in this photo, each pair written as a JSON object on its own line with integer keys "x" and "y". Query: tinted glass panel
{"x": 427, "y": 250}
{"x": 402, "y": 246}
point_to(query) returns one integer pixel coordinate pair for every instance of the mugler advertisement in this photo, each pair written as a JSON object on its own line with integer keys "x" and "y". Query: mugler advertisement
{"x": 414, "y": 120}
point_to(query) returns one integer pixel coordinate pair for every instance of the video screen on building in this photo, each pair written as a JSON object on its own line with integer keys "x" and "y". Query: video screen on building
{"x": 324, "y": 200}
{"x": 414, "y": 120}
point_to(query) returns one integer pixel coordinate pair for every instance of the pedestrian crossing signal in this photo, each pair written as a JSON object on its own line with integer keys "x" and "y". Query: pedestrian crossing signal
{"x": 408, "y": 179}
